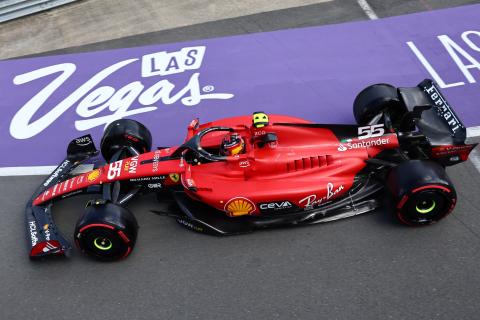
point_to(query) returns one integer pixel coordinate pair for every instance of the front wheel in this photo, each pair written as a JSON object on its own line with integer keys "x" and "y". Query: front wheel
{"x": 423, "y": 191}
{"x": 125, "y": 133}
{"x": 106, "y": 231}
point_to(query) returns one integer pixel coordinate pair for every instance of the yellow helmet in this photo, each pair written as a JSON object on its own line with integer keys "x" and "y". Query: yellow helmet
{"x": 259, "y": 119}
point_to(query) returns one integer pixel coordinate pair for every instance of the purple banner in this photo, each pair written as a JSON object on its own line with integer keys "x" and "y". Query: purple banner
{"x": 313, "y": 73}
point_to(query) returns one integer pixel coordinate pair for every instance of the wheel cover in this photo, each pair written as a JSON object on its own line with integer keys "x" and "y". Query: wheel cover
{"x": 102, "y": 243}
{"x": 424, "y": 207}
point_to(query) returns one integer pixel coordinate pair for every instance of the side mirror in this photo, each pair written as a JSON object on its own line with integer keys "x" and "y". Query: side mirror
{"x": 260, "y": 141}
{"x": 81, "y": 148}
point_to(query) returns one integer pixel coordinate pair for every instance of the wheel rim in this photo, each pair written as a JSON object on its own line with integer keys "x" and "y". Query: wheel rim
{"x": 102, "y": 243}
{"x": 426, "y": 206}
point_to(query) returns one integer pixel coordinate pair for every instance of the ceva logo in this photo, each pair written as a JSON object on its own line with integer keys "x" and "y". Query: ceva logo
{"x": 92, "y": 99}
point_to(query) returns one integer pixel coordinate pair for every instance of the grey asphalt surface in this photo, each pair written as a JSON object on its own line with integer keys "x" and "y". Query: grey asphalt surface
{"x": 367, "y": 267}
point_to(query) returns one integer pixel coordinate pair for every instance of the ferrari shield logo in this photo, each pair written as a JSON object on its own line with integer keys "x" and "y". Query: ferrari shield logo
{"x": 174, "y": 177}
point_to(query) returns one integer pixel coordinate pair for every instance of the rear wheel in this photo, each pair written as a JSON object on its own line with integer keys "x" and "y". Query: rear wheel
{"x": 125, "y": 133}
{"x": 106, "y": 231}
{"x": 375, "y": 99}
{"x": 424, "y": 193}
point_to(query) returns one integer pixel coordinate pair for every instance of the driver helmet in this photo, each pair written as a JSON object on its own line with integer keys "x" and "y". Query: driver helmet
{"x": 232, "y": 144}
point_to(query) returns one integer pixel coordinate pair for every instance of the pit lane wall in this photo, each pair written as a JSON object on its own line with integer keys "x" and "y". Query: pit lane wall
{"x": 313, "y": 73}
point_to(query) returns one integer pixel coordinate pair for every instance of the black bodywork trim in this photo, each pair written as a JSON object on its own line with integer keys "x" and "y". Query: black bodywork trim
{"x": 200, "y": 217}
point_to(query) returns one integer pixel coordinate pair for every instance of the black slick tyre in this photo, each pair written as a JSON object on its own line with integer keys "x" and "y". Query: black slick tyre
{"x": 375, "y": 99}
{"x": 125, "y": 133}
{"x": 106, "y": 231}
{"x": 424, "y": 194}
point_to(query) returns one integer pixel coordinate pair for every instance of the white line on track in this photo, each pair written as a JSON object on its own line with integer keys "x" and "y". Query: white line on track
{"x": 367, "y": 9}
{"x": 474, "y": 157}
{"x": 26, "y": 171}
{"x": 473, "y": 136}
{"x": 38, "y": 170}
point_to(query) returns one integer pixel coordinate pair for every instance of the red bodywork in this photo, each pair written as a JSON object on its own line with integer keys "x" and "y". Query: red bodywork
{"x": 306, "y": 167}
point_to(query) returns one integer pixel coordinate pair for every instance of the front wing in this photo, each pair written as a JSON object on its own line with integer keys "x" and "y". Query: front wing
{"x": 43, "y": 237}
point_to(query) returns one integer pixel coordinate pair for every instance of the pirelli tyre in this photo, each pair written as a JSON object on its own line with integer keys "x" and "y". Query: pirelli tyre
{"x": 423, "y": 192}
{"x": 375, "y": 99}
{"x": 106, "y": 231}
{"x": 125, "y": 133}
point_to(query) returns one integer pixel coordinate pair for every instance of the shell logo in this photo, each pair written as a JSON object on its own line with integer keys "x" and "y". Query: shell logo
{"x": 92, "y": 176}
{"x": 239, "y": 207}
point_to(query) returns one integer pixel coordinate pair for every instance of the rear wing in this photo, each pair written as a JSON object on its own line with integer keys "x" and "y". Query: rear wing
{"x": 438, "y": 120}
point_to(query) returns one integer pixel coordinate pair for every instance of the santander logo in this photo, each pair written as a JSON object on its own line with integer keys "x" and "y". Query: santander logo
{"x": 98, "y": 105}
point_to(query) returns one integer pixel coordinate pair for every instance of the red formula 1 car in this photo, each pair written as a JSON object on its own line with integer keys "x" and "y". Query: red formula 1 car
{"x": 240, "y": 174}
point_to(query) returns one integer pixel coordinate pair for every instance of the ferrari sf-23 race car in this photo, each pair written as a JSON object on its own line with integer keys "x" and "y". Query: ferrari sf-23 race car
{"x": 240, "y": 174}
